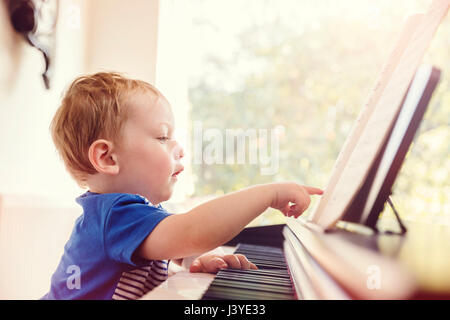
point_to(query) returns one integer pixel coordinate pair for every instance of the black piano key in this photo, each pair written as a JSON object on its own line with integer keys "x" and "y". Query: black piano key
{"x": 265, "y": 257}
{"x": 261, "y": 257}
{"x": 270, "y": 272}
{"x": 270, "y": 281}
{"x": 268, "y": 265}
{"x": 256, "y": 248}
{"x": 266, "y": 261}
{"x": 260, "y": 254}
{"x": 252, "y": 286}
{"x": 263, "y": 253}
{"x": 255, "y": 279}
{"x": 223, "y": 293}
{"x": 259, "y": 273}
{"x": 281, "y": 276}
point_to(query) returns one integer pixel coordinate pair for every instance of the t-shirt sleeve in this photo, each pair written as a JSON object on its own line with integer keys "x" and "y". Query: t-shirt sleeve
{"x": 129, "y": 221}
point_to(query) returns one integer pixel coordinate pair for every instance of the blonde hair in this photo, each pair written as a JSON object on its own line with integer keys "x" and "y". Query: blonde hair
{"x": 93, "y": 107}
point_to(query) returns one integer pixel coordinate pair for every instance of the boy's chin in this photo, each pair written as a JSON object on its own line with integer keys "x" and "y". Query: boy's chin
{"x": 166, "y": 196}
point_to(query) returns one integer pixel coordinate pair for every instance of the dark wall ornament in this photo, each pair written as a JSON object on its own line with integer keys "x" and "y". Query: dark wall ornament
{"x": 36, "y": 20}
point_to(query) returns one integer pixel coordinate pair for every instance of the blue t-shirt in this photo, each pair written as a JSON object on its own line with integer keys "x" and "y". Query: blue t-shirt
{"x": 99, "y": 260}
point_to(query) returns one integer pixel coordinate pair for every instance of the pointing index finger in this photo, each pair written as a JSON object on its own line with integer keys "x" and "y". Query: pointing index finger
{"x": 313, "y": 190}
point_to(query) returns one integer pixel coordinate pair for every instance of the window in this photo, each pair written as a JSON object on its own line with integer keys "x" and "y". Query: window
{"x": 289, "y": 78}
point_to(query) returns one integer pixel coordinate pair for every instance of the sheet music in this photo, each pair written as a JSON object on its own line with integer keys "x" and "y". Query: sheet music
{"x": 404, "y": 119}
{"x": 373, "y": 124}
{"x": 368, "y": 108}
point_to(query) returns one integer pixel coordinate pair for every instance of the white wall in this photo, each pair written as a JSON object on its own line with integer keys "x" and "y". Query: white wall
{"x": 36, "y": 194}
{"x": 37, "y": 207}
{"x": 122, "y": 37}
{"x": 29, "y": 164}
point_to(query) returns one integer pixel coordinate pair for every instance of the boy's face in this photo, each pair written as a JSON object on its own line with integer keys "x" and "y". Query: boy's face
{"x": 148, "y": 157}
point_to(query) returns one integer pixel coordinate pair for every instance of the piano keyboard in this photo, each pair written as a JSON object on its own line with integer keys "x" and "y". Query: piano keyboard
{"x": 271, "y": 281}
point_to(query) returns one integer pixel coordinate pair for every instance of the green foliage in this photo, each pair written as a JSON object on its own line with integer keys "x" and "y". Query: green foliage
{"x": 313, "y": 78}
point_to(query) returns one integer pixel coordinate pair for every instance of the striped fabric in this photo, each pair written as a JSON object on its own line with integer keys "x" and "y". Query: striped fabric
{"x": 135, "y": 283}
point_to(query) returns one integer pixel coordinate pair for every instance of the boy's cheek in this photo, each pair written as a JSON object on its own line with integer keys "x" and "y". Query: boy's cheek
{"x": 164, "y": 166}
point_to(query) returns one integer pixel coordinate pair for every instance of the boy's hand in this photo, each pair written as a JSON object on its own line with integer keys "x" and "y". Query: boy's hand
{"x": 290, "y": 192}
{"x": 212, "y": 263}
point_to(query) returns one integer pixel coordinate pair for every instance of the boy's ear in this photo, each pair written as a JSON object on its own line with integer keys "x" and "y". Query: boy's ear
{"x": 102, "y": 157}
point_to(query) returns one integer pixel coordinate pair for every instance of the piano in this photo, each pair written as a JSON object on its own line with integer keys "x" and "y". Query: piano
{"x": 296, "y": 261}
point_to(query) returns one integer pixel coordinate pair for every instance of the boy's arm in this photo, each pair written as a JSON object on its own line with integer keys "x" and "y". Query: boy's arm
{"x": 215, "y": 222}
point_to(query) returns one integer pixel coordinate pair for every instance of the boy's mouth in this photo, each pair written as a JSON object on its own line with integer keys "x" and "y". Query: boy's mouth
{"x": 178, "y": 172}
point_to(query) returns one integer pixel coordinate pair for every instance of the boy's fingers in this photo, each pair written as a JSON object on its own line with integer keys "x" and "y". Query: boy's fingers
{"x": 302, "y": 201}
{"x": 286, "y": 209}
{"x": 215, "y": 264}
{"x": 313, "y": 190}
{"x": 232, "y": 261}
{"x": 250, "y": 265}
{"x": 294, "y": 211}
{"x": 306, "y": 202}
{"x": 196, "y": 266}
{"x": 297, "y": 211}
{"x": 245, "y": 264}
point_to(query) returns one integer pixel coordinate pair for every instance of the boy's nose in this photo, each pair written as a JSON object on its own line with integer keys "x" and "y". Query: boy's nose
{"x": 179, "y": 152}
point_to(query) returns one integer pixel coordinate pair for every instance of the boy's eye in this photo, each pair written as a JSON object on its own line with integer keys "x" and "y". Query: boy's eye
{"x": 163, "y": 139}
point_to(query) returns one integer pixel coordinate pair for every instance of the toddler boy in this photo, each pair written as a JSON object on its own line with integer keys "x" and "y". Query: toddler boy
{"x": 115, "y": 136}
